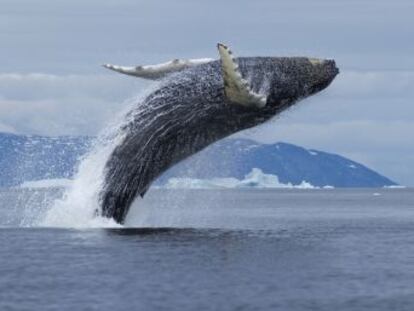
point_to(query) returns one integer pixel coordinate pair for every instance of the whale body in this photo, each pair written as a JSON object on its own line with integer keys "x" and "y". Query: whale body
{"x": 196, "y": 104}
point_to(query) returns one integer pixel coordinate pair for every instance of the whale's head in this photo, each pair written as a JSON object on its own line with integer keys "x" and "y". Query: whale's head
{"x": 295, "y": 78}
{"x": 267, "y": 85}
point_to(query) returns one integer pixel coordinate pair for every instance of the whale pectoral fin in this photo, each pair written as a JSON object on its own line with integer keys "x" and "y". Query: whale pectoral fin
{"x": 158, "y": 71}
{"x": 237, "y": 89}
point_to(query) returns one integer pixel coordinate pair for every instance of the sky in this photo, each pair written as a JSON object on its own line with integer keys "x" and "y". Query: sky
{"x": 51, "y": 81}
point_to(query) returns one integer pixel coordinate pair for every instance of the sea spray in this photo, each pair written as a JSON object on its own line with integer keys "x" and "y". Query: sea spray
{"x": 79, "y": 206}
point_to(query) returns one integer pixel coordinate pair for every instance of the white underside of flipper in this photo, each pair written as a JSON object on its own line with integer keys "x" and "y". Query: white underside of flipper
{"x": 237, "y": 89}
{"x": 158, "y": 71}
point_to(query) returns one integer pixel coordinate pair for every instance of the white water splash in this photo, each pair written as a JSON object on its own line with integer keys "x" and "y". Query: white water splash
{"x": 80, "y": 201}
{"x": 77, "y": 208}
{"x": 47, "y": 183}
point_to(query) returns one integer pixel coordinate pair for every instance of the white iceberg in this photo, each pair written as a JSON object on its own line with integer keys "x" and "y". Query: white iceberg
{"x": 395, "y": 187}
{"x": 255, "y": 179}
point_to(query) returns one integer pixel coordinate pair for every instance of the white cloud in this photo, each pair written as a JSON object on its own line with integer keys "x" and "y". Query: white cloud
{"x": 62, "y": 105}
{"x": 4, "y": 128}
{"x": 35, "y": 86}
{"x": 365, "y": 84}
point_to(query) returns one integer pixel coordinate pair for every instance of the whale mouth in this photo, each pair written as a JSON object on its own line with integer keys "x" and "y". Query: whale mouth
{"x": 326, "y": 74}
{"x": 332, "y": 68}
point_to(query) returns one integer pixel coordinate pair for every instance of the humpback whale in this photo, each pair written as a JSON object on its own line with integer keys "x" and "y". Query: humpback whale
{"x": 198, "y": 102}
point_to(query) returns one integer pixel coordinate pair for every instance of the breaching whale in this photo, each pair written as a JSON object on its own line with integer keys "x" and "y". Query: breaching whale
{"x": 198, "y": 102}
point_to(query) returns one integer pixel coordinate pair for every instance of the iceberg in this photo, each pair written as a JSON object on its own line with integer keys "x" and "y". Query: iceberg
{"x": 255, "y": 179}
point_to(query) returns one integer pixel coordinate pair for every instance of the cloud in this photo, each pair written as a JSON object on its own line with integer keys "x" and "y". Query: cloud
{"x": 48, "y": 104}
{"x": 35, "y": 86}
{"x": 74, "y": 36}
{"x": 365, "y": 84}
{"x": 4, "y": 128}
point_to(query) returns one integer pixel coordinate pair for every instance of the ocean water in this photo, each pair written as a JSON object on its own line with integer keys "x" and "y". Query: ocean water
{"x": 278, "y": 249}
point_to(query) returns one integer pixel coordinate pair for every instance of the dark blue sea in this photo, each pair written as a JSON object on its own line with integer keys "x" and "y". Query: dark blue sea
{"x": 214, "y": 250}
